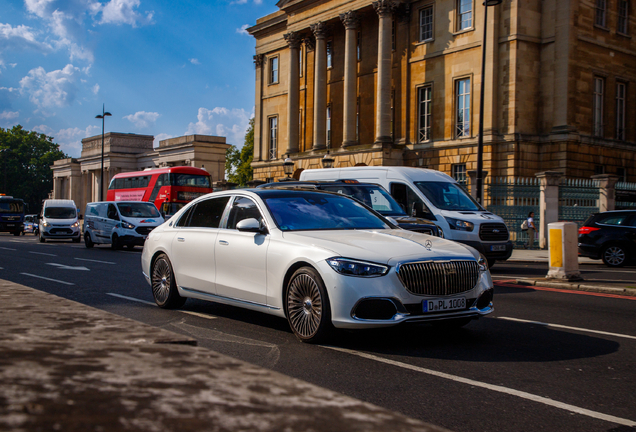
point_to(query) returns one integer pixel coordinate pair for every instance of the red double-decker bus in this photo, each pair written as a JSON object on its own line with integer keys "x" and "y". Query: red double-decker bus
{"x": 168, "y": 188}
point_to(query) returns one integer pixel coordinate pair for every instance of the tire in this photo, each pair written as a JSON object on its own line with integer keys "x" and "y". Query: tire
{"x": 491, "y": 262}
{"x": 307, "y": 306}
{"x": 614, "y": 256}
{"x": 16, "y": 233}
{"x": 42, "y": 239}
{"x": 88, "y": 241}
{"x": 115, "y": 244}
{"x": 77, "y": 240}
{"x": 23, "y": 233}
{"x": 164, "y": 287}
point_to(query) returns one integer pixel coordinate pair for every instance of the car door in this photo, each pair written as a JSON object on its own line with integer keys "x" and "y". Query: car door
{"x": 241, "y": 257}
{"x": 193, "y": 246}
{"x": 110, "y": 222}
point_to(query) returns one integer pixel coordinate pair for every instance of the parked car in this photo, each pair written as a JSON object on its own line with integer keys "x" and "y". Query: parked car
{"x": 319, "y": 259}
{"x": 372, "y": 195}
{"x": 31, "y": 224}
{"x": 610, "y": 236}
{"x": 121, "y": 223}
{"x": 59, "y": 220}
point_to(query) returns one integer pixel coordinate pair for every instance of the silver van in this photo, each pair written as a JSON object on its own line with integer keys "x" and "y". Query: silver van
{"x": 59, "y": 220}
{"x": 120, "y": 223}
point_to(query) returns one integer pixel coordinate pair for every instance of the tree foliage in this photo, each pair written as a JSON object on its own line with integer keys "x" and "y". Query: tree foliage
{"x": 25, "y": 160}
{"x": 238, "y": 163}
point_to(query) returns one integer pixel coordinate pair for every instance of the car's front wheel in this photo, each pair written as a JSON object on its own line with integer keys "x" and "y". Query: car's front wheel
{"x": 88, "y": 241}
{"x": 164, "y": 287}
{"x": 614, "y": 256}
{"x": 307, "y": 306}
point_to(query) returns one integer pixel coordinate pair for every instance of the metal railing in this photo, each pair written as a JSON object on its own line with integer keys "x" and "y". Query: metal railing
{"x": 578, "y": 199}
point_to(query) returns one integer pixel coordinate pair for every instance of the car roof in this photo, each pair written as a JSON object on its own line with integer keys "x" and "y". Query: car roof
{"x": 317, "y": 183}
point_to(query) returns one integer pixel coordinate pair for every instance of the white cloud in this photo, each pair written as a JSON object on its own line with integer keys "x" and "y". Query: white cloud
{"x": 19, "y": 38}
{"x": 8, "y": 118}
{"x": 55, "y": 88}
{"x": 95, "y": 89}
{"x": 142, "y": 119}
{"x": 160, "y": 137}
{"x": 231, "y": 124}
{"x": 122, "y": 12}
{"x": 70, "y": 140}
{"x": 242, "y": 2}
{"x": 195, "y": 61}
{"x": 243, "y": 30}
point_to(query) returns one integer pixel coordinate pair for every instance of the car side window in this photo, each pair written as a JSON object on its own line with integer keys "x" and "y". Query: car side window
{"x": 208, "y": 213}
{"x": 412, "y": 203}
{"x": 185, "y": 217}
{"x": 614, "y": 220}
{"x": 112, "y": 212}
{"x": 242, "y": 208}
{"x": 632, "y": 221}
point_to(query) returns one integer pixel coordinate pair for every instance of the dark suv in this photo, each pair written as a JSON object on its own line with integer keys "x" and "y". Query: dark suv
{"x": 372, "y": 195}
{"x": 610, "y": 236}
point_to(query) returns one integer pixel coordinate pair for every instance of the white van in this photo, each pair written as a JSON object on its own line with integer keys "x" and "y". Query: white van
{"x": 121, "y": 223}
{"x": 436, "y": 196}
{"x": 59, "y": 219}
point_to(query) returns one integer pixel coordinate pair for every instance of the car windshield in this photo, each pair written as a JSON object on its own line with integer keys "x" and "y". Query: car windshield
{"x": 59, "y": 212}
{"x": 138, "y": 210}
{"x": 11, "y": 207}
{"x": 373, "y": 196}
{"x": 315, "y": 211}
{"x": 448, "y": 196}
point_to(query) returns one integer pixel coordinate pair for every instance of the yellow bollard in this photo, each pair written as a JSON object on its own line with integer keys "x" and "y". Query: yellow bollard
{"x": 564, "y": 255}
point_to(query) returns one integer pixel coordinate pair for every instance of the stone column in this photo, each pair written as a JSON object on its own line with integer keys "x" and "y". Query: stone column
{"x": 385, "y": 9}
{"x": 350, "y": 21}
{"x": 549, "y": 203}
{"x": 607, "y": 191}
{"x": 293, "y": 95}
{"x": 472, "y": 176}
{"x": 258, "y": 111}
{"x": 320, "y": 86}
{"x": 562, "y": 44}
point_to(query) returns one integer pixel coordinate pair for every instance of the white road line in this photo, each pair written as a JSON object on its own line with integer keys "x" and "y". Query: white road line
{"x": 131, "y": 299}
{"x": 200, "y": 315}
{"x": 568, "y": 327}
{"x": 48, "y": 279}
{"x": 500, "y": 389}
{"x": 95, "y": 261}
{"x": 9, "y": 249}
{"x": 42, "y": 253}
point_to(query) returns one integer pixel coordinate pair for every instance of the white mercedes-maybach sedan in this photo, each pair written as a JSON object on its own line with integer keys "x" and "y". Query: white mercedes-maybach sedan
{"x": 319, "y": 259}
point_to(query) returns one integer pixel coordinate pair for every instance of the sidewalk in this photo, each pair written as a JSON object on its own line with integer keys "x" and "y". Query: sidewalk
{"x": 606, "y": 286}
{"x": 66, "y": 366}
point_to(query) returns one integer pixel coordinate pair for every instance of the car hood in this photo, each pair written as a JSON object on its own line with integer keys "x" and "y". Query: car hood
{"x": 61, "y": 221}
{"x": 473, "y": 216}
{"x": 383, "y": 246}
{"x": 148, "y": 221}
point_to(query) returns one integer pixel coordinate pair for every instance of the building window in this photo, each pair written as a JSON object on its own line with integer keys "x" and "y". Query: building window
{"x": 300, "y": 61}
{"x": 622, "y": 174}
{"x": 301, "y": 137}
{"x": 358, "y": 119}
{"x": 273, "y": 70}
{"x": 329, "y": 54}
{"x": 358, "y": 47}
{"x": 599, "y": 169}
{"x": 464, "y": 14}
{"x": 458, "y": 172}
{"x": 273, "y": 137}
{"x": 426, "y": 23}
{"x": 462, "y": 109}
{"x": 597, "y": 121}
{"x": 424, "y": 97}
{"x": 393, "y": 35}
{"x": 620, "y": 110}
{"x": 328, "y": 126}
{"x": 392, "y": 114}
{"x": 623, "y": 16}
{"x": 601, "y": 12}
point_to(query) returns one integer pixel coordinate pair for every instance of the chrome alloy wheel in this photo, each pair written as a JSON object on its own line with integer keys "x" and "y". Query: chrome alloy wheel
{"x": 304, "y": 305}
{"x": 614, "y": 256}
{"x": 161, "y": 280}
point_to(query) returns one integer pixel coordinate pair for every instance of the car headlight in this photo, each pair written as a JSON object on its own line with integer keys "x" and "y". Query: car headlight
{"x": 45, "y": 224}
{"x": 126, "y": 225}
{"x": 75, "y": 225}
{"x": 350, "y": 267}
{"x": 460, "y": 225}
{"x": 441, "y": 232}
{"x": 483, "y": 263}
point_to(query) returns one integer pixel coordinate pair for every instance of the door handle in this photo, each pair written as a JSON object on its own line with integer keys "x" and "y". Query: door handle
{"x": 223, "y": 242}
{"x": 181, "y": 239}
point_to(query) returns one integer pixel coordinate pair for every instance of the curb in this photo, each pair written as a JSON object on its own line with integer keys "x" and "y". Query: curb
{"x": 578, "y": 287}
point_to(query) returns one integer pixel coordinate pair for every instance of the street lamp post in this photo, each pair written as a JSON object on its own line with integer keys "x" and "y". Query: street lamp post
{"x": 480, "y": 138}
{"x": 103, "y": 115}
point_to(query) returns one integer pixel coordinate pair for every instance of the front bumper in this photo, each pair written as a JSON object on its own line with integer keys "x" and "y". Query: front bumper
{"x": 487, "y": 249}
{"x": 60, "y": 233}
{"x": 11, "y": 226}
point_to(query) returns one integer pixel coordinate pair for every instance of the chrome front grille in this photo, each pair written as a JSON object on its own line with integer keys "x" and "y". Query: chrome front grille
{"x": 439, "y": 278}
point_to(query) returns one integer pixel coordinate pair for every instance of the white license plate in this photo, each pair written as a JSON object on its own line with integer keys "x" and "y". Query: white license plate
{"x": 497, "y": 248}
{"x": 443, "y": 305}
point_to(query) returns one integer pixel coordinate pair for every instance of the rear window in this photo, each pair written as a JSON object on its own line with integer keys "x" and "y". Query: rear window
{"x": 614, "y": 219}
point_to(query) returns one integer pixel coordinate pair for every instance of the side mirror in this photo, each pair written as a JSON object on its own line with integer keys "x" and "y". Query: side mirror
{"x": 251, "y": 225}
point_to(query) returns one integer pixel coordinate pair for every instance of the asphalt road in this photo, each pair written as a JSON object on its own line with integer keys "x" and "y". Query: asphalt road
{"x": 544, "y": 360}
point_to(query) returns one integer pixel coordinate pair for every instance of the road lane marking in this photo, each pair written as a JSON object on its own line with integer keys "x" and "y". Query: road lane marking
{"x": 198, "y": 314}
{"x": 48, "y": 279}
{"x": 568, "y": 327}
{"x": 42, "y": 253}
{"x": 9, "y": 249}
{"x": 497, "y": 388}
{"x": 95, "y": 261}
{"x": 66, "y": 267}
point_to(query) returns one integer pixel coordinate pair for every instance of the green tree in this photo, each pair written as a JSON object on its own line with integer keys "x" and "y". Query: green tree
{"x": 26, "y": 158}
{"x": 238, "y": 163}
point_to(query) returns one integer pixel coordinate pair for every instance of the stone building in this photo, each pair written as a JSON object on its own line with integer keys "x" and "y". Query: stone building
{"x": 398, "y": 83}
{"x": 79, "y": 179}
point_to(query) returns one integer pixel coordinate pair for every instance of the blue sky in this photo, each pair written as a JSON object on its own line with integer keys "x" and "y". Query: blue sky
{"x": 163, "y": 68}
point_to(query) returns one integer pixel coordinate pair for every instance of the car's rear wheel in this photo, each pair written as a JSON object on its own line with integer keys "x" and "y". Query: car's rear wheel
{"x": 115, "y": 244}
{"x": 88, "y": 241}
{"x": 164, "y": 287}
{"x": 614, "y": 256}
{"x": 307, "y": 306}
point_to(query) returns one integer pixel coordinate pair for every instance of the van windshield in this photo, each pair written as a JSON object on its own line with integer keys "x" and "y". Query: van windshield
{"x": 448, "y": 196}
{"x": 138, "y": 210}
{"x": 59, "y": 212}
{"x": 373, "y": 196}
